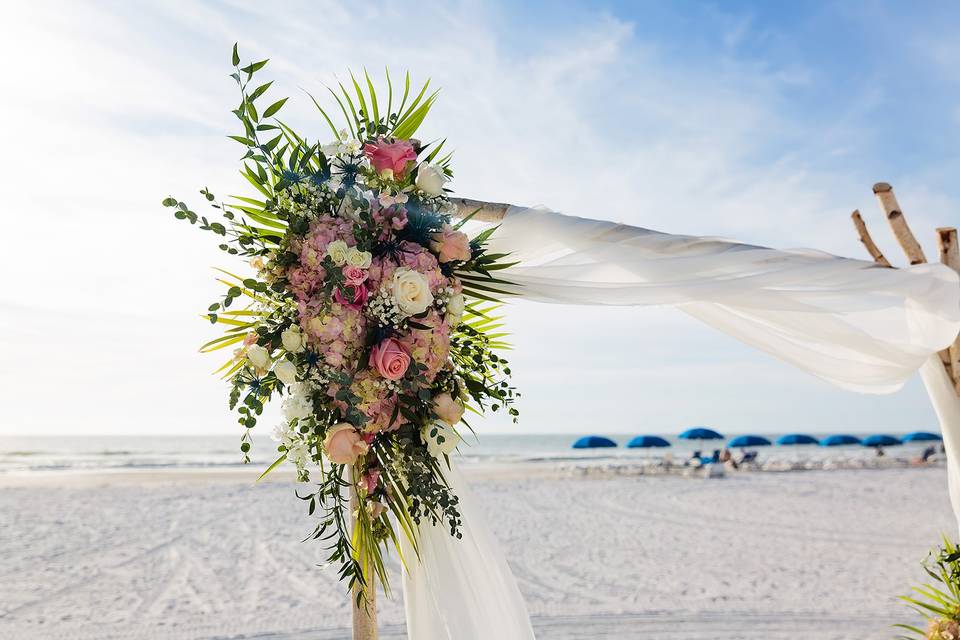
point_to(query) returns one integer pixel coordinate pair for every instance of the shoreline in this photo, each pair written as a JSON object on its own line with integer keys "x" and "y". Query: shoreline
{"x": 474, "y": 471}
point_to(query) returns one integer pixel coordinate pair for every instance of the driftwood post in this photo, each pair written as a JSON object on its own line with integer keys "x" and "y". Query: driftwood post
{"x": 364, "y": 615}
{"x": 949, "y": 255}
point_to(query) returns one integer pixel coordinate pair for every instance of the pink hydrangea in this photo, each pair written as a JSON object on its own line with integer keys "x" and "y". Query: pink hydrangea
{"x": 429, "y": 347}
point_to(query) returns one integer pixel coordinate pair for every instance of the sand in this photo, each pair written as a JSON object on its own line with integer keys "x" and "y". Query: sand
{"x": 811, "y": 555}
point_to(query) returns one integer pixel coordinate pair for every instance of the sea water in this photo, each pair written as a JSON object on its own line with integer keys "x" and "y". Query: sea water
{"x": 30, "y": 454}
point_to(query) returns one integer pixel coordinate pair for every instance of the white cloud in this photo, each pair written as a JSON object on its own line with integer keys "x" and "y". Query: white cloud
{"x": 119, "y": 105}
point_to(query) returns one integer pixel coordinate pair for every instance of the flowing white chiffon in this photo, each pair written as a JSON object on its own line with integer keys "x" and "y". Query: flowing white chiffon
{"x": 852, "y": 323}
{"x": 462, "y": 589}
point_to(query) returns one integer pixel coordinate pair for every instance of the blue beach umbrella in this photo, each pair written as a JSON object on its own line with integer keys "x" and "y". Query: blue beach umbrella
{"x": 880, "y": 440}
{"x": 645, "y": 442}
{"x": 593, "y": 442}
{"x": 839, "y": 440}
{"x": 749, "y": 441}
{"x": 700, "y": 433}
{"x": 797, "y": 438}
{"x": 921, "y": 436}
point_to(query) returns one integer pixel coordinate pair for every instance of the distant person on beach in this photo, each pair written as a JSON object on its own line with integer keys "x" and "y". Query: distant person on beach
{"x": 881, "y": 452}
{"x": 727, "y": 458}
{"x": 927, "y": 456}
{"x": 696, "y": 458}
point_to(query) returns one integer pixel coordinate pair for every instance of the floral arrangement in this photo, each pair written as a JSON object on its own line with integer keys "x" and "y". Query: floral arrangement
{"x": 939, "y": 602}
{"x": 369, "y": 313}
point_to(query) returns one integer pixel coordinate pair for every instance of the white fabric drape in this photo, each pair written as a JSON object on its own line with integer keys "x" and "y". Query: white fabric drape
{"x": 857, "y": 325}
{"x": 946, "y": 403}
{"x": 853, "y": 323}
{"x": 462, "y": 589}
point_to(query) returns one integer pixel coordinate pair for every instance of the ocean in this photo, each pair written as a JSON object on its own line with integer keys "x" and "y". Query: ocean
{"x": 35, "y": 454}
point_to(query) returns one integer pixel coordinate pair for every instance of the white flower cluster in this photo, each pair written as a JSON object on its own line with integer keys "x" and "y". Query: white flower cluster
{"x": 392, "y": 385}
{"x": 308, "y": 202}
{"x": 384, "y": 310}
{"x": 296, "y": 447}
{"x": 343, "y": 146}
{"x": 298, "y": 404}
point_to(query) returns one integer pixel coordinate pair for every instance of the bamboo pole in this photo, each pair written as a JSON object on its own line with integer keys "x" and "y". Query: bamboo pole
{"x": 365, "y": 615}
{"x": 950, "y": 256}
{"x": 898, "y": 224}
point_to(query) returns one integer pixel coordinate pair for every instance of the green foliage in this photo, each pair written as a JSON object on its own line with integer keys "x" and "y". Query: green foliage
{"x": 938, "y": 602}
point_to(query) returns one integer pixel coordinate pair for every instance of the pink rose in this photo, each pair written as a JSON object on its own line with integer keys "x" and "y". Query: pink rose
{"x": 354, "y": 276}
{"x": 353, "y": 296}
{"x": 368, "y": 481}
{"x": 450, "y": 245}
{"x": 447, "y": 409}
{"x": 344, "y": 444}
{"x": 390, "y": 359}
{"x": 396, "y": 157}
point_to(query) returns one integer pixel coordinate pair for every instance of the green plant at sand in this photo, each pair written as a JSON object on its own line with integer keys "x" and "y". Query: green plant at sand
{"x": 939, "y": 601}
{"x": 369, "y": 312}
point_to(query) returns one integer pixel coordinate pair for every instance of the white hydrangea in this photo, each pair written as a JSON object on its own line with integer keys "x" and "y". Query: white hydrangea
{"x": 298, "y": 404}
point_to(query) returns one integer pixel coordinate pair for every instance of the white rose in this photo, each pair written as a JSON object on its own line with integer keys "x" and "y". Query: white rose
{"x": 411, "y": 291}
{"x": 455, "y": 306}
{"x": 258, "y": 356}
{"x": 286, "y": 371}
{"x": 357, "y": 258}
{"x": 443, "y": 441}
{"x": 292, "y": 339}
{"x": 430, "y": 179}
{"x": 337, "y": 250}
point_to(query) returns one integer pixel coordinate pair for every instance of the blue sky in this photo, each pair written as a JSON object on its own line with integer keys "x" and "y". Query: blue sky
{"x": 766, "y": 121}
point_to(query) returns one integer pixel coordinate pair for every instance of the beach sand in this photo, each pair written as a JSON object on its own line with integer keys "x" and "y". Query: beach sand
{"x": 806, "y": 555}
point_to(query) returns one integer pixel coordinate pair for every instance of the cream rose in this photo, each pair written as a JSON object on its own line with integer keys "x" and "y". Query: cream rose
{"x": 344, "y": 444}
{"x": 258, "y": 356}
{"x": 411, "y": 291}
{"x": 441, "y": 439}
{"x": 455, "y": 306}
{"x": 357, "y": 258}
{"x": 430, "y": 179}
{"x": 447, "y": 409}
{"x": 337, "y": 250}
{"x": 292, "y": 339}
{"x": 286, "y": 371}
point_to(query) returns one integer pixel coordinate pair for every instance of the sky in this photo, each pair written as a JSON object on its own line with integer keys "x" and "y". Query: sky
{"x": 764, "y": 122}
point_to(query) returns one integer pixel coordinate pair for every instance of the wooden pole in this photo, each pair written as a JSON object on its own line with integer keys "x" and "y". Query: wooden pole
{"x": 898, "y": 224}
{"x": 950, "y": 256}
{"x": 947, "y": 237}
{"x": 867, "y": 240}
{"x": 364, "y": 615}
{"x": 483, "y": 211}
